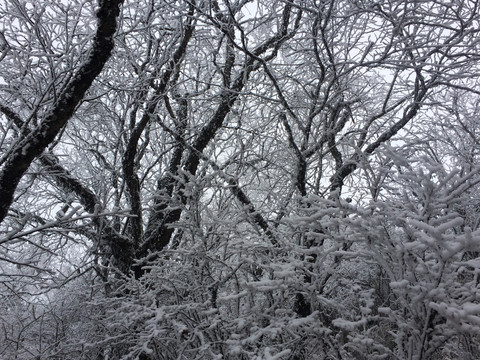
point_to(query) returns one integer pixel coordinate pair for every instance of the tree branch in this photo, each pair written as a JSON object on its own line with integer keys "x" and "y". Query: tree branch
{"x": 131, "y": 179}
{"x": 27, "y": 149}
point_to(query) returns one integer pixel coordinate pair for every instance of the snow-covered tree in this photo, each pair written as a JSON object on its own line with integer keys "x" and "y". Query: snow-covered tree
{"x": 239, "y": 180}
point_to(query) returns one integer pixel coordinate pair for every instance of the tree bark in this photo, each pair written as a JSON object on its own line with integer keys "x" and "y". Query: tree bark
{"x": 32, "y": 145}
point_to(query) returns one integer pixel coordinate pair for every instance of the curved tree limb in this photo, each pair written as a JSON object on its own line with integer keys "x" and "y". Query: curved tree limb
{"x": 128, "y": 164}
{"x": 229, "y": 96}
{"x": 31, "y": 146}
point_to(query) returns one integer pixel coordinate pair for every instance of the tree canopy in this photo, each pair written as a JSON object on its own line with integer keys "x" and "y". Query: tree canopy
{"x": 239, "y": 179}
